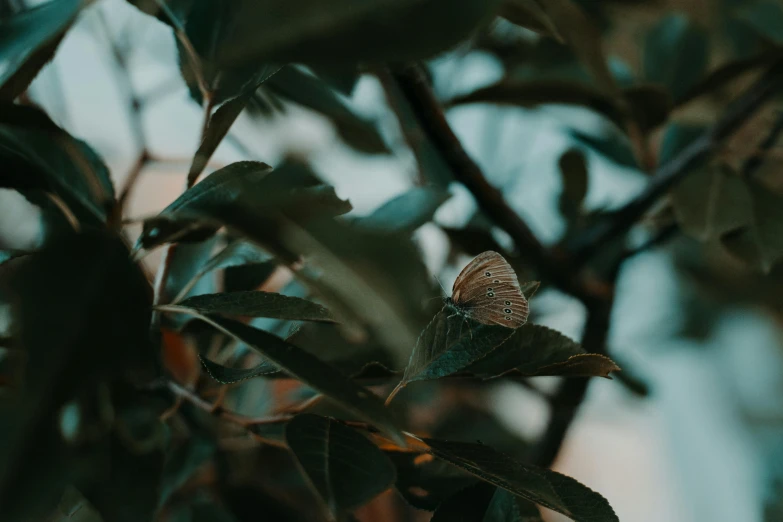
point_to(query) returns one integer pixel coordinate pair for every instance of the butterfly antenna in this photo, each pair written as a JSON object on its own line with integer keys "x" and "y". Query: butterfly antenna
{"x": 439, "y": 284}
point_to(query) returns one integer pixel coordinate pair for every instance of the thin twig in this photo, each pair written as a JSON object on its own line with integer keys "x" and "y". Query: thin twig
{"x": 674, "y": 171}
{"x": 756, "y": 160}
{"x": 412, "y": 82}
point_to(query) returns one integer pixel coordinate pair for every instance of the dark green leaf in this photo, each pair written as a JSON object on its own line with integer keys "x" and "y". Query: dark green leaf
{"x": 537, "y": 350}
{"x": 181, "y": 463}
{"x": 29, "y": 39}
{"x": 217, "y": 127}
{"x": 37, "y": 155}
{"x": 676, "y": 138}
{"x": 74, "y": 507}
{"x": 312, "y": 92}
{"x": 74, "y": 331}
{"x": 765, "y": 17}
{"x": 257, "y": 304}
{"x": 449, "y": 344}
{"x": 349, "y": 30}
{"x": 343, "y": 466}
{"x": 7, "y": 255}
{"x": 547, "y": 488}
{"x": 185, "y": 265}
{"x": 761, "y": 243}
{"x": 530, "y": 15}
{"x": 676, "y": 54}
{"x": 311, "y": 371}
{"x": 406, "y": 212}
{"x": 236, "y": 253}
{"x": 226, "y": 375}
{"x": 711, "y": 201}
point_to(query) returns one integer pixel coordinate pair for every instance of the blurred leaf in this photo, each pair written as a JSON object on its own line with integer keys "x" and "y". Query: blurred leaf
{"x": 7, "y": 255}
{"x": 186, "y": 261}
{"x": 761, "y": 243}
{"x": 256, "y": 304}
{"x": 313, "y": 93}
{"x": 343, "y": 466}
{"x": 236, "y": 253}
{"x": 202, "y": 28}
{"x": 676, "y": 54}
{"x": 200, "y": 509}
{"x": 711, "y": 201}
{"x": 425, "y": 482}
{"x": 676, "y": 138}
{"x": 584, "y": 39}
{"x": 312, "y": 372}
{"x": 37, "y": 155}
{"x": 349, "y": 30}
{"x": 450, "y": 343}
{"x": 226, "y": 375}
{"x": 74, "y": 507}
{"x": 343, "y": 78}
{"x": 573, "y": 172}
{"x": 74, "y": 332}
{"x": 406, "y": 212}
{"x": 537, "y": 350}
{"x": 530, "y": 15}
{"x": 547, "y": 488}
{"x": 29, "y": 39}
{"x": 765, "y": 17}
{"x": 614, "y": 147}
{"x": 216, "y": 129}
{"x": 182, "y": 461}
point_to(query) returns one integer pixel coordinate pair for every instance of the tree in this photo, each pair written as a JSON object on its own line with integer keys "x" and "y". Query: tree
{"x": 124, "y": 392}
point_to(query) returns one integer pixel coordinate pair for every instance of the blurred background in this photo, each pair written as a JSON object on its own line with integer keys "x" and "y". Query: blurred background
{"x": 701, "y": 331}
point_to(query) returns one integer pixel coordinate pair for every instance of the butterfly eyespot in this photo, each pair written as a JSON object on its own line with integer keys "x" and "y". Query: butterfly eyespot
{"x": 508, "y": 303}
{"x": 490, "y": 294}
{"x": 507, "y": 310}
{"x": 496, "y": 281}
{"x": 487, "y": 274}
{"x": 508, "y": 318}
{"x": 490, "y": 289}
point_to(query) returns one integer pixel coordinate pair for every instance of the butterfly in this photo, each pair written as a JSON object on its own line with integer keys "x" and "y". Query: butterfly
{"x": 487, "y": 291}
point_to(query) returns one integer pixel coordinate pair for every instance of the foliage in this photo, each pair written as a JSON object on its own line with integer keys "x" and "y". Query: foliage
{"x": 107, "y": 414}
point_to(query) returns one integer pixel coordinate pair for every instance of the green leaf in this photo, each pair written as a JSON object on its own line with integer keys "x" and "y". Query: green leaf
{"x": 614, "y": 147}
{"x": 257, "y": 304}
{"x": 74, "y": 332}
{"x": 313, "y": 93}
{"x": 37, "y": 156}
{"x": 761, "y": 243}
{"x": 650, "y": 105}
{"x": 765, "y": 17}
{"x": 406, "y": 212}
{"x": 312, "y": 372}
{"x": 676, "y": 54}
{"x": 74, "y": 507}
{"x": 711, "y": 202}
{"x": 185, "y": 265}
{"x": 547, "y": 488}
{"x": 573, "y": 172}
{"x": 449, "y": 344}
{"x": 29, "y": 40}
{"x": 7, "y": 255}
{"x": 181, "y": 463}
{"x": 290, "y": 191}
{"x": 343, "y": 466}
{"x": 530, "y": 15}
{"x": 216, "y": 129}
{"x": 350, "y": 31}
{"x": 226, "y": 375}
{"x": 537, "y": 350}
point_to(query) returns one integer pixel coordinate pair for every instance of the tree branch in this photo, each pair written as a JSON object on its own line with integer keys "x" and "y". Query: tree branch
{"x": 683, "y": 164}
{"x": 413, "y": 85}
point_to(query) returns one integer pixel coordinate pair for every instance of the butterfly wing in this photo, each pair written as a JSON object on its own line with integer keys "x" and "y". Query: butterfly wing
{"x": 488, "y": 291}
